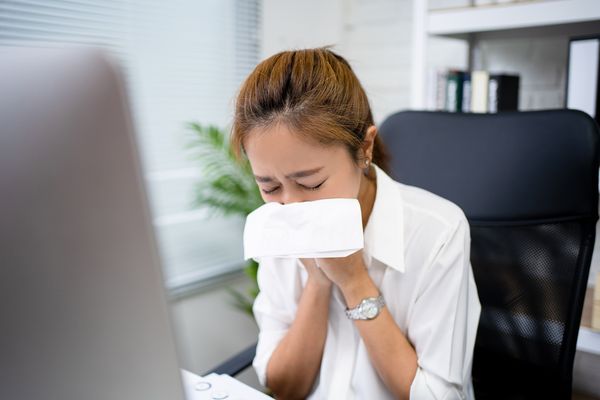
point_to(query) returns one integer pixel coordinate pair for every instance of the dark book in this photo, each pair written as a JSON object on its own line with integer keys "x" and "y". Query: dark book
{"x": 503, "y": 93}
{"x": 454, "y": 90}
{"x": 466, "y": 93}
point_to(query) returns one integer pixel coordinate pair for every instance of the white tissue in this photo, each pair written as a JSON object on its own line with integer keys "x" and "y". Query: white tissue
{"x": 311, "y": 229}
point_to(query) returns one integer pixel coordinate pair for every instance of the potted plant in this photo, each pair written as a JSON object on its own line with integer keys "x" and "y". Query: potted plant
{"x": 227, "y": 187}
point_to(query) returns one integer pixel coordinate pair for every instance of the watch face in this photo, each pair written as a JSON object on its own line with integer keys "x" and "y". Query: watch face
{"x": 369, "y": 310}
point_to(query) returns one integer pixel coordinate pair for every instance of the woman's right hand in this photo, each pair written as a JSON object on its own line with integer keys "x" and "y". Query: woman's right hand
{"x": 315, "y": 273}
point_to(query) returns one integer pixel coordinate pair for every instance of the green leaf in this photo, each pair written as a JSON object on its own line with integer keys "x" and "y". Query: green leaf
{"x": 226, "y": 187}
{"x": 241, "y": 302}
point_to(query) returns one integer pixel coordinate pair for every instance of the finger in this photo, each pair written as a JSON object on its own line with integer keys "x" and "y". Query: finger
{"x": 309, "y": 263}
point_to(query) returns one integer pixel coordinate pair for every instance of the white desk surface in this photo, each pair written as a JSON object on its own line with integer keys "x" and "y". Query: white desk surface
{"x": 218, "y": 387}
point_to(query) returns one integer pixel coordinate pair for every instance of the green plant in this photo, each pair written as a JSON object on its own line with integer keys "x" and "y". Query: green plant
{"x": 227, "y": 187}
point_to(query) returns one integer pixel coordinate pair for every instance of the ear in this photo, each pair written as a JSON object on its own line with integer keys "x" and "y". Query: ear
{"x": 369, "y": 142}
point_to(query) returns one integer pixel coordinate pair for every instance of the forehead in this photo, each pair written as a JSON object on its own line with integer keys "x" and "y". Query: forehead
{"x": 279, "y": 148}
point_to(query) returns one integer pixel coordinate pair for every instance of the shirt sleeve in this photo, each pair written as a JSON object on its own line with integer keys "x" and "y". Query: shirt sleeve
{"x": 443, "y": 323}
{"x": 273, "y": 314}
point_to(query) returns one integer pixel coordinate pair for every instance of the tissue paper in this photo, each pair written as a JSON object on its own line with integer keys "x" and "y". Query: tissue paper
{"x": 311, "y": 229}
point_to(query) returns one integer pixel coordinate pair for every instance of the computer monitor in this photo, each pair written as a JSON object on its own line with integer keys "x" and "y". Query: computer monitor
{"x": 83, "y": 312}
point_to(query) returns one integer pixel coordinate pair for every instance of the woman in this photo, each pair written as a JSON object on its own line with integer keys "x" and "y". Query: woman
{"x": 304, "y": 122}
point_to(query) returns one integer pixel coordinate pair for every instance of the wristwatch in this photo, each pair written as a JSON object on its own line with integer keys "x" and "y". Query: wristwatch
{"x": 368, "y": 308}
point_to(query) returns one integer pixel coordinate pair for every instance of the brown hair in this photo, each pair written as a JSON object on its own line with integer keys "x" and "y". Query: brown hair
{"x": 315, "y": 93}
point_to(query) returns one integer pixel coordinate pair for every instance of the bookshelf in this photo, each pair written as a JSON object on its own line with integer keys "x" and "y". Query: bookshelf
{"x": 509, "y": 16}
{"x": 472, "y": 24}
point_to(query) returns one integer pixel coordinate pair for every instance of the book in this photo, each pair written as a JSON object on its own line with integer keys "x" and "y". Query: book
{"x": 441, "y": 80}
{"x": 454, "y": 90}
{"x": 479, "y": 91}
{"x": 503, "y": 93}
{"x": 466, "y": 93}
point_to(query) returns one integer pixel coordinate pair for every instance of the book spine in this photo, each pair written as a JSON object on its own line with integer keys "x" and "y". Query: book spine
{"x": 466, "y": 92}
{"x": 454, "y": 91}
{"x": 493, "y": 95}
{"x": 509, "y": 93}
{"x": 479, "y": 91}
{"x": 442, "y": 78}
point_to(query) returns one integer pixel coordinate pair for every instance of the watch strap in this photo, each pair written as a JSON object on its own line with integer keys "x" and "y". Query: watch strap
{"x": 358, "y": 311}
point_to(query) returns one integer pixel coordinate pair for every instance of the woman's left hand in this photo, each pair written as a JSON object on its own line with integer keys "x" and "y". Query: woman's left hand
{"x": 344, "y": 271}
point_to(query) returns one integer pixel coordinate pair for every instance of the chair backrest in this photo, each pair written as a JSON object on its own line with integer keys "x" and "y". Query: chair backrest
{"x": 528, "y": 184}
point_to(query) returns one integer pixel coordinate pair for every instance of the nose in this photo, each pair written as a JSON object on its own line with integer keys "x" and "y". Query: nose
{"x": 289, "y": 197}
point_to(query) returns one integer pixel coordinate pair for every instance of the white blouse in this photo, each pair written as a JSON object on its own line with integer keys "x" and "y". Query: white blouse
{"x": 417, "y": 248}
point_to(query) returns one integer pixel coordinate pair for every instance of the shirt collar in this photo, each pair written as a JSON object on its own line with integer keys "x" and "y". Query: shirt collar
{"x": 384, "y": 233}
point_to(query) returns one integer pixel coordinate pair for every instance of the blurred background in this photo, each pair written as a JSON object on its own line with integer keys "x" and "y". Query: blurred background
{"x": 184, "y": 61}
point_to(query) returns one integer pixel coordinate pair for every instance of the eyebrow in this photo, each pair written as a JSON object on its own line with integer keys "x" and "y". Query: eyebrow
{"x": 299, "y": 174}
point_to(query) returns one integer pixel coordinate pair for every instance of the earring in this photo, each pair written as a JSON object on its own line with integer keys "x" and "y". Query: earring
{"x": 366, "y": 162}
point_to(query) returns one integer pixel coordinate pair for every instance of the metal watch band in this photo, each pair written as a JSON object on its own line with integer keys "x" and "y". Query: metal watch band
{"x": 363, "y": 310}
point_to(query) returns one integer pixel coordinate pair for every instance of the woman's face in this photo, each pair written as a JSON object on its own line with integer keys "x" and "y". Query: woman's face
{"x": 290, "y": 169}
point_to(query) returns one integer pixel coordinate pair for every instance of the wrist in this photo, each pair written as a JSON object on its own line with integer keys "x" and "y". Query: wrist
{"x": 356, "y": 290}
{"x": 319, "y": 283}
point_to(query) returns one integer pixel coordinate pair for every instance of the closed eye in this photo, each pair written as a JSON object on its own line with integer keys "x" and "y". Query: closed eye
{"x": 270, "y": 191}
{"x": 305, "y": 187}
{"x": 313, "y": 187}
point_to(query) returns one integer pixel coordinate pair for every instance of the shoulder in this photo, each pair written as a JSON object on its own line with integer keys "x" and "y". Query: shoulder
{"x": 428, "y": 207}
{"x": 430, "y": 223}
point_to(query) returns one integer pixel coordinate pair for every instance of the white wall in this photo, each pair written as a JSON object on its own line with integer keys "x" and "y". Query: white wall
{"x": 289, "y": 24}
{"x": 374, "y": 36}
{"x": 377, "y": 41}
{"x": 540, "y": 62}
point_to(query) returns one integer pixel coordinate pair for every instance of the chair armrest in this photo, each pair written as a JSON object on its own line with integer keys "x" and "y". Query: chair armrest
{"x": 237, "y": 363}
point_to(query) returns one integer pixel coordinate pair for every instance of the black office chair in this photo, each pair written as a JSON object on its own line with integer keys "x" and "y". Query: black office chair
{"x": 528, "y": 184}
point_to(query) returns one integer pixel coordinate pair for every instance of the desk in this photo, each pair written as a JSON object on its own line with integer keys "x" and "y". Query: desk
{"x": 218, "y": 387}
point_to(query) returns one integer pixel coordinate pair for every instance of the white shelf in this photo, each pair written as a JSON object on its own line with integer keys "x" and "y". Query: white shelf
{"x": 511, "y": 16}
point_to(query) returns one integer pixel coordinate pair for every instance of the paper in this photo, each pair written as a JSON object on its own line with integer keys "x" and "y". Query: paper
{"x": 215, "y": 386}
{"x": 312, "y": 229}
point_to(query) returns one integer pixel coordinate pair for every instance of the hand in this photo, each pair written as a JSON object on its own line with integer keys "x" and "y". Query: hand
{"x": 343, "y": 271}
{"x": 315, "y": 272}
